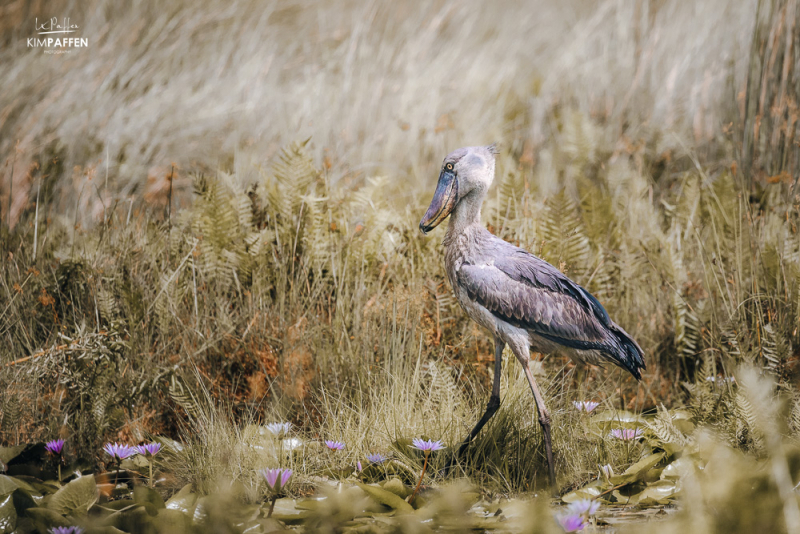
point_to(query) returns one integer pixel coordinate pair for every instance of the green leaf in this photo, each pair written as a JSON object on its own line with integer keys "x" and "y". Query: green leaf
{"x": 118, "y": 505}
{"x": 386, "y": 498}
{"x": 396, "y": 486}
{"x": 639, "y": 470}
{"x": 8, "y": 514}
{"x": 183, "y": 501}
{"x": 305, "y": 504}
{"x": 76, "y": 497}
{"x": 45, "y": 519}
{"x": 292, "y": 513}
{"x": 657, "y": 493}
{"x": 619, "y": 418}
{"x": 172, "y": 522}
{"x": 7, "y": 484}
{"x": 37, "y": 487}
{"x": 589, "y": 491}
{"x": 134, "y": 463}
{"x": 9, "y": 453}
{"x": 145, "y": 495}
{"x": 680, "y": 468}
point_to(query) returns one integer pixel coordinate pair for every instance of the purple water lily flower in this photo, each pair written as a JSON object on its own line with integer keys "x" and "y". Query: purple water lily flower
{"x": 377, "y": 458}
{"x": 276, "y": 478}
{"x": 585, "y": 406}
{"x": 148, "y": 449}
{"x": 426, "y": 446}
{"x": 54, "y": 447}
{"x": 627, "y": 434}
{"x": 66, "y": 530}
{"x": 334, "y": 445}
{"x": 279, "y": 429}
{"x": 119, "y": 451}
{"x": 358, "y": 466}
{"x": 607, "y": 470}
{"x": 571, "y": 522}
{"x": 584, "y": 507}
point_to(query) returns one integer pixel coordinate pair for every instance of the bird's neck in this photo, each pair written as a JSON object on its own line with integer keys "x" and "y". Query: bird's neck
{"x": 466, "y": 213}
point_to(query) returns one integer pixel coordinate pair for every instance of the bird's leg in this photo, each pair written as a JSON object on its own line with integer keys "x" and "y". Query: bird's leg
{"x": 491, "y": 407}
{"x": 544, "y": 420}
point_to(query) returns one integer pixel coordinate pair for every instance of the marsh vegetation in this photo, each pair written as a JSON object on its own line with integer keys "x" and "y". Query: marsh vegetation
{"x": 222, "y": 235}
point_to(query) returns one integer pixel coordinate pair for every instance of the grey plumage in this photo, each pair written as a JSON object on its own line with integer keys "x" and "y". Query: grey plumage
{"x": 529, "y": 293}
{"x": 522, "y": 300}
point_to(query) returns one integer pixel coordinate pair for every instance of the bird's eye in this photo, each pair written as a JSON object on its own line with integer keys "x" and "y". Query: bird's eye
{"x": 449, "y": 166}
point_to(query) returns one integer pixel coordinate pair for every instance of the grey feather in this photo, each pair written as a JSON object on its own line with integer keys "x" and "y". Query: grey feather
{"x": 519, "y": 297}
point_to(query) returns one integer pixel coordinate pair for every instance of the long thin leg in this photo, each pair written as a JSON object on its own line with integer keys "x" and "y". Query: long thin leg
{"x": 491, "y": 407}
{"x": 544, "y": 420}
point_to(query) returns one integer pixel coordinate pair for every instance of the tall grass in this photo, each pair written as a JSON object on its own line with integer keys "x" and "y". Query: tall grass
{"x": 292, "y": 282}
{"x": 382, "y": 88}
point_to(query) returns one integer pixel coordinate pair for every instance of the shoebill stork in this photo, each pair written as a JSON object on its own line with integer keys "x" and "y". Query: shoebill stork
{"x": 524, "y": 302}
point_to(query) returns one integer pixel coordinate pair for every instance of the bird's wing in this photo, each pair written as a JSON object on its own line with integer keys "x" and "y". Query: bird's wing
{"x": 522, "y": 266}
{"x": 535, "y": 298}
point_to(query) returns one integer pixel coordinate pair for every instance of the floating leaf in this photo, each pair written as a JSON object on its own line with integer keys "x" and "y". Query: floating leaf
{"x": 386, "y": 498}
{"x": 7, "y": 485}
{"x": 8, "y": 514}
{"x": 657, "y": 493}
{"x": 136, "y": 462}
{"x": 183, "y": 501}
{"x": 616, "y": 417}
{"x": 305, "y": 504}
{"x": 45, "y": 519}
{"x": 149, "y": 498}
{"x": 679, "y": 468}
{"x": 76, "y": 497}
{"x": 9, "y": 453}
{"x": 639, "y": 470}
{"x": 589, "y": 491}
{"x": 120, "y": 504}
{"x": 172, "y": 522}
{"x": 293, "y": 513}
{"x": 396, "y": 486}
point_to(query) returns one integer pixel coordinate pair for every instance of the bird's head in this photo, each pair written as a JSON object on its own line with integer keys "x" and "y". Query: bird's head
{"x": 466, "y": 172}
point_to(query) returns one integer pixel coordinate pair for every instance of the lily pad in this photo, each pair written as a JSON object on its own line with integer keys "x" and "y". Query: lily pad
{"x": 589, "y": 491}
{"x": 145, "y": 495}
{"x": 172, "y": 522}
{"x": 135, "y": 463}
{"x": 396, "y": 486}
{"x": 183, "y": 501}
{"x": 9, "y": 453}
{"x": 679, "y": 468}
{"x": 657, "y": 493}
{"x": 8, "y": 514}
{"x": 618, "y": 418}
{"x": 45, "y": 519}
{"x": 291, "y": 512}
{"x": 7, "y": 485}
{"x": 638, "y": 471}
{"x": 76, "y": 497}
{"x": 305, "y": 504}
{"x": 386, "y": 498}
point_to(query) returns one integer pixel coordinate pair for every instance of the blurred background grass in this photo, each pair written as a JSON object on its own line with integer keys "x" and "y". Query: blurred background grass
{"x": 381, "y": 87}
{"x": 168, "y": 237}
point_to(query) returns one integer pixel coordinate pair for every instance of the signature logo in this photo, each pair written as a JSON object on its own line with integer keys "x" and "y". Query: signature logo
{"x": 53, "y": 36}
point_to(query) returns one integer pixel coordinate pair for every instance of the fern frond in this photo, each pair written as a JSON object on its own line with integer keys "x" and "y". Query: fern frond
{"x": 184, "y": 398}
{"x": 665, "y": 430}
{"x": 566, "y": 244}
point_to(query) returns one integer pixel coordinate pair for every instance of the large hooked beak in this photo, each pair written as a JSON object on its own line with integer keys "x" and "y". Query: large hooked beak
{"x": 444, "y": 200}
